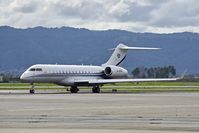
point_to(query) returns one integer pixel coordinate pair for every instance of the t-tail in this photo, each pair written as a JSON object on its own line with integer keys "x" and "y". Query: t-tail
{"x": 120, "y": 52}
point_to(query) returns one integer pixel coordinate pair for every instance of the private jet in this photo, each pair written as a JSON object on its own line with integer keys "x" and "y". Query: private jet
{"x": 86, "y": 75}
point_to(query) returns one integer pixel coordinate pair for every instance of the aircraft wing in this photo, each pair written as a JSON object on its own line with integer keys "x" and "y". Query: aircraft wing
{"x": 107, "y": 81}
{"x": 110, "y": 81}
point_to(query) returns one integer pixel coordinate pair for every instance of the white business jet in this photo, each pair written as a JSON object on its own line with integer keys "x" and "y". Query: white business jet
{"x": 85, "y": 75}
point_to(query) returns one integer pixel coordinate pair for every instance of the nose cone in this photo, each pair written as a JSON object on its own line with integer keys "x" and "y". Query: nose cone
{"x": 26, "y": 77}
{"x": 23, "y": 77}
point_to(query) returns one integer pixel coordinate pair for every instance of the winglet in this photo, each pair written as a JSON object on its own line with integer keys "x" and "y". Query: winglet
{"x": 182, "y": 75}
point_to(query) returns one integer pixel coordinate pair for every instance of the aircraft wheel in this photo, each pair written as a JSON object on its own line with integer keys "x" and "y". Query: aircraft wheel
{"x": 32, "y": 91}
{"x": 74, "y": 89}
{"x": 96, "y": 89}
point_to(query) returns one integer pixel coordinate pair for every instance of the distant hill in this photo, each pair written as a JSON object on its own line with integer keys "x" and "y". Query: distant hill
{"x": 20, "y": 48}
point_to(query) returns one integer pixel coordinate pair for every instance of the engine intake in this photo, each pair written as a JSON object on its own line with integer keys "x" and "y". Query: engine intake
{"x": 107, "y": 71}
{"x": 115, "y": 72}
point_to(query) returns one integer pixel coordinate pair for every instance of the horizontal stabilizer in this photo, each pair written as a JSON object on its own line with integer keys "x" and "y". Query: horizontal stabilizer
{"x": 137, "y": 48}
{"x": 120, "y": 52}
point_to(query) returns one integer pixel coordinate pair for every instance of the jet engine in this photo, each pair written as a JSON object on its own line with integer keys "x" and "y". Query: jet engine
{"x": 115, "y": 72}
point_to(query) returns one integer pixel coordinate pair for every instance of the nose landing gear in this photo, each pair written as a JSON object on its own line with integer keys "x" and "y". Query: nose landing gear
{"x": 32, "y": 89}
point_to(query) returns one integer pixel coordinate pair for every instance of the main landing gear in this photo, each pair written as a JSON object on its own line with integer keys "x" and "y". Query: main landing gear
{"x": 74, "y": 89}
{"x": 96, "y": 89}
{"x": 32, "y": 89}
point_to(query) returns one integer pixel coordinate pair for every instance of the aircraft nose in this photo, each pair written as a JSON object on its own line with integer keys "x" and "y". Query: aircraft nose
{"x": 22, "y": 77}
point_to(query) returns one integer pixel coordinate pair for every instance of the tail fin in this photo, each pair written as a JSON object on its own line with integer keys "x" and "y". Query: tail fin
{"x": 120, "y": 52}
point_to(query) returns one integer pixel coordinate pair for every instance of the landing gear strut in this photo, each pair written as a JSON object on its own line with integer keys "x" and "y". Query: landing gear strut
{"x": 74, "y": 89}
{"x": 96, "y": 89}
{"x": 32, "y": 89}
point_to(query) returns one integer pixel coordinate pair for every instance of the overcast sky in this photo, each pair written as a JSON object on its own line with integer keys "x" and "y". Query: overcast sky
{"x": 160, "y": 16}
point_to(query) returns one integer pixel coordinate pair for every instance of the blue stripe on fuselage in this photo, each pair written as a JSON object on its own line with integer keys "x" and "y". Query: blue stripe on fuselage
{"x": 71, "y": 74}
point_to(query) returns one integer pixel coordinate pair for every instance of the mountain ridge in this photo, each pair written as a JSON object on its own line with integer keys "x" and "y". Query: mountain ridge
{"x": 21, "y": 48}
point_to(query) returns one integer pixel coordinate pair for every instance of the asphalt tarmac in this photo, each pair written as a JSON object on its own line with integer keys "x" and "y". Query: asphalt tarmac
{"x": 111, "y": 113}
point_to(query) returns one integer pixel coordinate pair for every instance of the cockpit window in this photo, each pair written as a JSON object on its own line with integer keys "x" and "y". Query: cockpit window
{"x": 32, "y": 69}
{"x": 38, "y": 69}
{"x": 35, "y": 69}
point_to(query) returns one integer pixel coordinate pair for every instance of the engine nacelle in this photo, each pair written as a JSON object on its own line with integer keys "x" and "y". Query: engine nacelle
{"x": 115, "y": 72}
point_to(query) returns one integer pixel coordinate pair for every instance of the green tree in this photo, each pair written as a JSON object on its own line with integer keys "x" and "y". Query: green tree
{"x": 136, "y": 72}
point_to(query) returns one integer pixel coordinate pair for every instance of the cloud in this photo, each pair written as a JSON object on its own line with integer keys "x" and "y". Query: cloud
{"x": 179, "y": 13}
{"x": 23, "y": 6}
{"x": 77, "y": 9}
{"x": 133, "y": 15}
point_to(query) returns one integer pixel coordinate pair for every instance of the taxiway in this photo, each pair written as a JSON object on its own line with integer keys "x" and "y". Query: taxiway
{"x": 138, "y": 113}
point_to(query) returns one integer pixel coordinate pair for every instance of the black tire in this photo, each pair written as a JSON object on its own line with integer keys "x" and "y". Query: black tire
{"x": 32, "y": 91}
{"x": 74, "y": 89}
{"x": 96, "y": 89}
